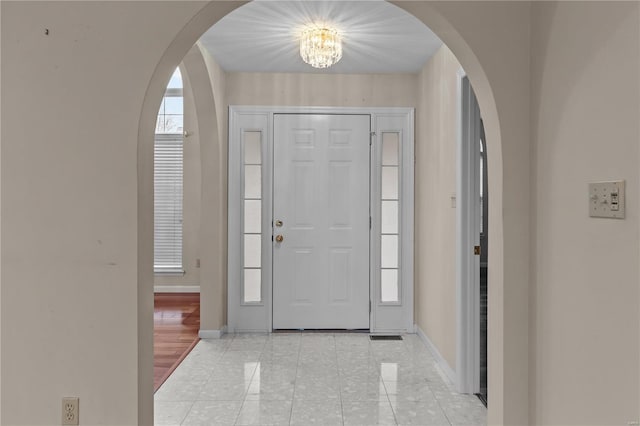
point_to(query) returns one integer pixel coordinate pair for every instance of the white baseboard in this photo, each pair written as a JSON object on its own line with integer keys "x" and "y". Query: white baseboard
{"x": 442, "y": 363}
{"x": 212, "y": 334}
{"x": 176, "y": 289}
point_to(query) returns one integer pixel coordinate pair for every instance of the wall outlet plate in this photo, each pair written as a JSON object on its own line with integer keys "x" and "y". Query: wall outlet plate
{"x": 70, "y": 411}
{"x": 607, "y": 199}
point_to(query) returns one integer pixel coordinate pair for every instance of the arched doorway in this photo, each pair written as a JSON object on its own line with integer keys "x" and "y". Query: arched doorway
{"x": 505, "y": 119}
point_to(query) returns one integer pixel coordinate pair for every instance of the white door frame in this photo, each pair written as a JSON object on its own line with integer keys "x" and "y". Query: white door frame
{"x": 468, "y": 236}
{"x": 257, "y": 316}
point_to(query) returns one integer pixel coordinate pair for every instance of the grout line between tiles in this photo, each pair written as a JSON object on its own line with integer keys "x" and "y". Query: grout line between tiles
{"x": 295, "y": 380}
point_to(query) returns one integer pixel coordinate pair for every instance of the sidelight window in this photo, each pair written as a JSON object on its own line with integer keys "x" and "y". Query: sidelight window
{"x": 252, "y": 212}
{"x": 389, "y": 214}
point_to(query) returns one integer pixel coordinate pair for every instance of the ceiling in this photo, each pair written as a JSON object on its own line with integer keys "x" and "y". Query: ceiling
{"x": 263, "y": 36}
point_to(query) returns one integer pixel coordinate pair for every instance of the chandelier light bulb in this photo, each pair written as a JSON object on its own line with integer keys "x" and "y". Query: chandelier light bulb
{"x": 320, "y": 47}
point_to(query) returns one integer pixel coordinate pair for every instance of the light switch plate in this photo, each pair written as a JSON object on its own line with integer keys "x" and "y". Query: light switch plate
{"x": 606, "y": 199}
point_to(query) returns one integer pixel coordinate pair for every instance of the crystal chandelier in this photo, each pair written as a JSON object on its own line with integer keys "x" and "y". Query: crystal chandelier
{"x": 320, "y": 47}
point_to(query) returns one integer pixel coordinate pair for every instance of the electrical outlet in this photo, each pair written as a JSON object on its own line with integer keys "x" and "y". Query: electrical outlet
{"x": 70, "y": 411}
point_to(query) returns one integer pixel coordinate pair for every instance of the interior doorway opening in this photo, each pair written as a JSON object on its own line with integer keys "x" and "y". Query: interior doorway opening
{"x": 484, "y": 267}
{"x": 211, "y": 14}
{"x": 473, "y": 246}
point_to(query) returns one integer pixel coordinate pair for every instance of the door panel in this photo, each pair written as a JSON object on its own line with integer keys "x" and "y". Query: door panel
{"x": 321, "y": 195}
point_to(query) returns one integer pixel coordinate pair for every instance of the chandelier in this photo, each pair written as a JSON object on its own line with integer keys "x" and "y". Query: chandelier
{"x": 320, "y": 47}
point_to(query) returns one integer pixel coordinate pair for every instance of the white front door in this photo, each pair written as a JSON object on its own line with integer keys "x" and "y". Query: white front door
{"x": 321, "y": 215}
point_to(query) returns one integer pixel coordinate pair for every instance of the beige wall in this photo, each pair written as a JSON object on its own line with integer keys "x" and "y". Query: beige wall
{"x": 585, "y": 114}
{"x": 191, "y": 195}
{"x": 205, "y": 190}
{"x": 313, "y": 89}
{"x": 491, "y": 41}
{"x": 78, "y": 262}
{"x": 213, "y": 118}
{"x": 71, "y": 105}
{"x": 435, "y": 174}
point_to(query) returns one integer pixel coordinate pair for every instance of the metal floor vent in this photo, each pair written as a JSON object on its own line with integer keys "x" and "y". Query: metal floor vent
{"x": 385, "y": 337}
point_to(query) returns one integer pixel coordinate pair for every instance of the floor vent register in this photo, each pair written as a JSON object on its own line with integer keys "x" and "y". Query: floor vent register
{"x": 378, "y": 337}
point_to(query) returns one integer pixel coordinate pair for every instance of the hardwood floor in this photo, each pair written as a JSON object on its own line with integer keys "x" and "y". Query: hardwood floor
{"x": 176, "y": 320}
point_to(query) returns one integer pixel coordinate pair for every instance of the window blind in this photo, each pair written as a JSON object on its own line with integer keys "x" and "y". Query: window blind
{"x": 168, "y": 177}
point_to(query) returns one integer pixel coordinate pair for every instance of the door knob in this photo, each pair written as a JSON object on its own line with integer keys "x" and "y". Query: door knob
{"x": 279, "y": 238}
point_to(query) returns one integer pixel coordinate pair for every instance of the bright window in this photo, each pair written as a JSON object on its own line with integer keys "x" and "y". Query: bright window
{"x": 390, "y": 223}
{"x": 168, "y": 180}
{"x": 252, "y": 165}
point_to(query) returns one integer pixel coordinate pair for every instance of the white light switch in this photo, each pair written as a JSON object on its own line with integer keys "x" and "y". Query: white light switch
{"x": 606, "y": 199}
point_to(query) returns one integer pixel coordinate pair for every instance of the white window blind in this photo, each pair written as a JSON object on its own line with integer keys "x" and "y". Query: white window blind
{"x": 168, "y": 177}
{"x": 168, "y": 180}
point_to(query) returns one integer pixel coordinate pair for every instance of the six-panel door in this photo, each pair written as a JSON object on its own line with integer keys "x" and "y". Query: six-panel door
{"x": 321, "y": 221}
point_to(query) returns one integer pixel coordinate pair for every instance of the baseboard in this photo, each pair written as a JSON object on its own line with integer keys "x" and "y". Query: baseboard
{"x": 176, "y": 289}
{"x": 442, "y": 363}
{"x": 212, "y": 334}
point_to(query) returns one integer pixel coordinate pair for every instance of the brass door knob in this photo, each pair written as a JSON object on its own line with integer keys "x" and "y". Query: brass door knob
{"x": 279, "y": 238}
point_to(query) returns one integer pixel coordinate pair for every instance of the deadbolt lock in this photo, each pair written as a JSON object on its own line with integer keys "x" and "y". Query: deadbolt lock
{"x": 477, "y": 250}
{"x": 278, "y": 223}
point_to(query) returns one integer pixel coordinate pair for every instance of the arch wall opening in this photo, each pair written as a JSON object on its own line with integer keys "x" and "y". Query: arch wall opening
{"x": 505, "y": 117}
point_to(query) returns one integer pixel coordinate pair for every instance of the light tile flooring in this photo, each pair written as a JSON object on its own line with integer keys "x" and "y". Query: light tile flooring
{"x": 312, "y": 378}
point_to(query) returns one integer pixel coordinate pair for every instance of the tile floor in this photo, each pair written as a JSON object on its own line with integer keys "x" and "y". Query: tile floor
{"x": 312, "y": 378}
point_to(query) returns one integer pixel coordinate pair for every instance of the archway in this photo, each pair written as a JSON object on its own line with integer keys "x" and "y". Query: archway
{"x": 496, "y": 86}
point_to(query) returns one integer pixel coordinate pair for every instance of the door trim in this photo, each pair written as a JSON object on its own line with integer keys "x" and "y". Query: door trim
{"x": 468, "y": 236}
{"x": 384, "y": 317}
